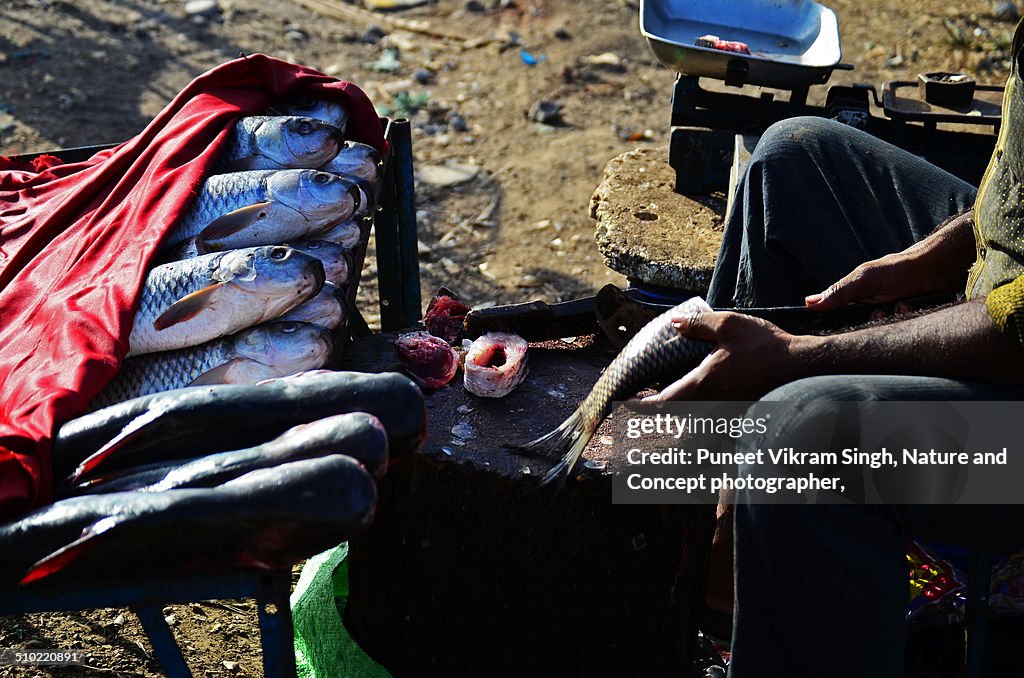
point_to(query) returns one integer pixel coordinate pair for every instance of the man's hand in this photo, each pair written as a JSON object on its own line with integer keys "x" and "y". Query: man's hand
{"x": 753, "y": 357}
{"x": 937, "y": 264}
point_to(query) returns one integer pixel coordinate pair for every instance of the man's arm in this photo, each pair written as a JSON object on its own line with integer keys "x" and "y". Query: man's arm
{"x": 935, "y": 264}
{"x": 754, "y": 356}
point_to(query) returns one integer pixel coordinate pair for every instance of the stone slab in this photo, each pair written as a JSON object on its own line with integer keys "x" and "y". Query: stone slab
{"x": 650, "y": 233}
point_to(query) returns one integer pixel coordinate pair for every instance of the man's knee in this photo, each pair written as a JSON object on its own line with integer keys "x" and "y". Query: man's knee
{"x": 796, "y": 138}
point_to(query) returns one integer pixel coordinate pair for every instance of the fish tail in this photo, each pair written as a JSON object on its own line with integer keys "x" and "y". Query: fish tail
{"x": 556, "y": 442}
{"x": 560, "y": 471}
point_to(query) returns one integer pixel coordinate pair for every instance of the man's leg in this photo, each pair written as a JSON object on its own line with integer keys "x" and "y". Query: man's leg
{"x": 821, "y": 590}
{"x": 819, "y": 198}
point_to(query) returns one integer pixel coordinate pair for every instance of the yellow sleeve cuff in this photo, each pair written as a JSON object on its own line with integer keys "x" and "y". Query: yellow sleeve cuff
{"x": 1005, "y": 306}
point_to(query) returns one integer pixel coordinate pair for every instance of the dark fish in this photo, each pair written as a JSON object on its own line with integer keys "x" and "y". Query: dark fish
{"x": 202, "y": 420}
{"x": 657, "y": 352}
{"x": 356, "y": 434}
{"x": 267, "y": 519}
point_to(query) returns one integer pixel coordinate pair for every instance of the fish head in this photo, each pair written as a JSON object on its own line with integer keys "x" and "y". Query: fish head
{"x": 361, "y": 160}
{"x": 348, "y": 234}
{"x": 288, "y": 347}
{"x": 331, "y": 112}
{"x": 280, "y": 276}
{"x": 317, "y": 196}
{"x": 337, "y": 260}
{"x": 326, "y": 309}
{"x": 295, "y": 141}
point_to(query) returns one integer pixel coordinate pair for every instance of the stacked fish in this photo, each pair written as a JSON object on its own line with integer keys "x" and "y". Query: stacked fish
{"x": 254, "y": 279}
{"x": 216, "y": 478}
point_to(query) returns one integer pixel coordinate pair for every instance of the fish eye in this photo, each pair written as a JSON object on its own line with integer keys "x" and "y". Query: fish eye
{"x": 289, "y": 328}
{"x": 305, "y": 127}
{"x": 279, "y": 253}
{"x": 322, "y": 177}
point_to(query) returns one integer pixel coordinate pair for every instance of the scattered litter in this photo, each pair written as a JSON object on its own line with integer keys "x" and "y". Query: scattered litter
{"x": 526, "y": 470}
{"x": 545, "y": 112}
{"x": 530, "y": 59}
{"x": 119, "y": 620}
{"x": 485, "y": 271}
{"x": 595, "y": 464}
{"x": 373, "y": 35}
{"x": 458, "y": 441}
{"x": 446, "y": 175}
{"x": 230, "y": 666}
{"x": 464, "y": 409}
{"x": 605, "y": 59}
{"x": 447, "y": 450}
{"x": 379, "y": 5}
{"x": 171, "y": 619}
{"x": 1005, "y": 11}
{"x": 607, "y": 440}
{"x": 201, "y": 7}
{"x": 387, "y": 63}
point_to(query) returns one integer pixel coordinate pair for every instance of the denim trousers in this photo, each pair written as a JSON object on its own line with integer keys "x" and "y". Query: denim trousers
{"x": 822, "y": 590}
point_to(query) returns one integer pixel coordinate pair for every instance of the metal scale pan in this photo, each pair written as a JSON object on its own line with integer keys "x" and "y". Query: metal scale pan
{"x": 793, "y": 43}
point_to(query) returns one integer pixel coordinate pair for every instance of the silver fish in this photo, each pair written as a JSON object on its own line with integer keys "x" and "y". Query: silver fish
{"x": 331, "y": 112}
{"x": 337, "y": 260}
{"x": 186, "y": 303}
{"x": 326, "y": 310}
{"x": 271, "y": 350}
{"x": 657, "y": 352}
{"x": 278, "y": 142}
{"x": 361, "y": 160}
{"x": 348, "y": 234}
{"x": 262, "y": 207}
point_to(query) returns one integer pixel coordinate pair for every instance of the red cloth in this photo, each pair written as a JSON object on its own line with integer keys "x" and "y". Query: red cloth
{"x": 75, "y": 245}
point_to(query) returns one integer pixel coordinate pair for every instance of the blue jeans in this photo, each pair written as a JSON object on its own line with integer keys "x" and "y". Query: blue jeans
{"x": 821, "y": 590}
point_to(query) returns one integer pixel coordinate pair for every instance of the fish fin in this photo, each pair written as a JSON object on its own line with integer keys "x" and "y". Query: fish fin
{"x": 233, "y": 222}
{"x": 217, "y": 375}
{"x": 69, "y": 553}
{"x": 186, "y": 308}
{"x": 135, "y": 429}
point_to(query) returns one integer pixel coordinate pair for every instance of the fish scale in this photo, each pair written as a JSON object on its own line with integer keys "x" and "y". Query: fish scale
{"x": 162, "y": 371}
{"x": 657, "y": 352}
{"x": 261, "y": 352}
{"x": 220, "y": 194}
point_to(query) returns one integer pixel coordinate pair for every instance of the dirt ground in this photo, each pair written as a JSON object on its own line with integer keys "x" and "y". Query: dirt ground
{"x": 78, "y": 72}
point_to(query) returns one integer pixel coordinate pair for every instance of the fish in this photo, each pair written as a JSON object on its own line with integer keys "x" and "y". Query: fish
{"x": 264, "y": 207}
{"x": 279, "y": 142}
{"x": 429, "y": 360}
{"x": 446, "y": 315}
{"x": 495, "y": 364}
{"x": 187, "y": 303}
{"x": 361, "y": 160}
{"x": 203, "y": 420}
{"x": 274, "y": 349}
{"x": 266, "y": 519}
{"x": 337, "y": 259}
{"x": 356, "y": 434}
{"x": 326, "y": 310}
{"x": 348, "y": 234}
{"x": 655, "y": 353}
{"x": 331, "y": 112}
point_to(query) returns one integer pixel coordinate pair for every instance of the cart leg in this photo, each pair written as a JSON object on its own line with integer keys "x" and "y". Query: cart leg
{"x": 276, "y": 632}
{"x": 164, "y": 646}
